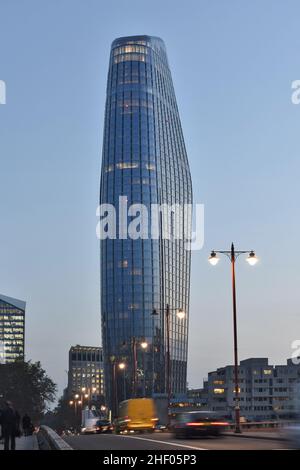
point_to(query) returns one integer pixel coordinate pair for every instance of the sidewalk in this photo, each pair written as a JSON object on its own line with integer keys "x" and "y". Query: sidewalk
{"x": 24, "y": 443}
{"x": 272, "y": 435}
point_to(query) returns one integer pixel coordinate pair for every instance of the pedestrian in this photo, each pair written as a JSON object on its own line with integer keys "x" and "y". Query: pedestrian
{"x": 10, "y": 421}
{"x": 27, "y": 425}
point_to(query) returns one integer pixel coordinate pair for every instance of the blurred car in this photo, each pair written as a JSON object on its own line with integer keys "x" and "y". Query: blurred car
{"x": 97, "y": 427}
{"x": 104, "y": 426}
{"x": 198, "y": 423}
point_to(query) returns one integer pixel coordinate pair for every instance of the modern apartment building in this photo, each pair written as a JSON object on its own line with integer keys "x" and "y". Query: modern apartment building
{"x": 145, "y": 161}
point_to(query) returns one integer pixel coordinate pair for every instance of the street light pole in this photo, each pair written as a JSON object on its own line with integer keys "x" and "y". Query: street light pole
{"x": 114, "y": 375}
{"x": 235, "y": 341}
{"x": 134, "y": 366}
{"x": 180, "y": 316}
{"x": 252, "y": 259}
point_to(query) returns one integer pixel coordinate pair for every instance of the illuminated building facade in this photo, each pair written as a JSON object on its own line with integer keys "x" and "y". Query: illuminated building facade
{"x": 144, "y": 160}
{"x": 86, "y": 375}
{"x": 12, "y": 329}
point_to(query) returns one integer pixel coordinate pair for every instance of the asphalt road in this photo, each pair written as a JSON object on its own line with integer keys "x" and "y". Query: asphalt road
{"x": 165, "y": 441}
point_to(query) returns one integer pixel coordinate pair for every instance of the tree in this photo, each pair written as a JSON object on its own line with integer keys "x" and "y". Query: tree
{"x": 64, "y": 416}
{"x": 27, "y": 386}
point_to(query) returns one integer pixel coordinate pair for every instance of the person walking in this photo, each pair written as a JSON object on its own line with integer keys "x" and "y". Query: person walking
{"x": 27, "y": 425}
{"x": 10, "y": 421}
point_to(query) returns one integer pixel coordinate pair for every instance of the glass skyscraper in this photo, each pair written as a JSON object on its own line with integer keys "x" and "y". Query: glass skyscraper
{"x": 144, "y": 159}
{"x": 12, "y": 329}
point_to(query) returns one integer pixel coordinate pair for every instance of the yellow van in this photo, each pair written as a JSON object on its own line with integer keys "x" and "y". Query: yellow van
{"x": 137, "y": 414}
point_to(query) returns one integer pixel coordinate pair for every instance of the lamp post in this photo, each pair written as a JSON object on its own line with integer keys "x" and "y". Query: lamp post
{"x": 120, "y": 366}
{"x": 232, "y": 254}
{"x": 143, "y": 344}
{"x": 180, "y": 315}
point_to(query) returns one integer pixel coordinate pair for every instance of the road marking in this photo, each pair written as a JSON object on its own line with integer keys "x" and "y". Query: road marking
{"x": 164, "y": 442}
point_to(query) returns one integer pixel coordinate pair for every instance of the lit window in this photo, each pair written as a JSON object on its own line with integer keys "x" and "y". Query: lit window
{"x": 219, "y": 391}
{"x": 268, "y": 371}
{"x": 150, "y": 166}
{"x": 130, "y": 57}
{"x": 123, "y": 263}
{"x": 109, "y": 168}
{"x": 126, "y": 165}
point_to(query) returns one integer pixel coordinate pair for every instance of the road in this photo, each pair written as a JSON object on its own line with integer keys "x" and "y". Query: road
{"x": 165, "y": 441}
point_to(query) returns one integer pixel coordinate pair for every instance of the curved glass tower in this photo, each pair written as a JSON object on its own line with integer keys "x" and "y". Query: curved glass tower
{"x": 145, "y": 160}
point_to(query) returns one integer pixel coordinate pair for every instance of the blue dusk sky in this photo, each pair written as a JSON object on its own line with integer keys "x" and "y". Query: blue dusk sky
{"x": 232, "y": 64}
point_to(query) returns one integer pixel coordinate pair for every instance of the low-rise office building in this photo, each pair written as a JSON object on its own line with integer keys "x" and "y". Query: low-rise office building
{"x": 266, "y": 391}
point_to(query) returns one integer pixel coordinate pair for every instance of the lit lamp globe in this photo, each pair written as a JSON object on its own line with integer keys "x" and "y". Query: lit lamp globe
{"x": 144, "y": 344}
{"x": 213, "y": 259}
{"x": 122, "y": 366}
{"x": 252, "y": 258}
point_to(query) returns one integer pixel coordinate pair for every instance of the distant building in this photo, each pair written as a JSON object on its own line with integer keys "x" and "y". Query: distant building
{"x": 198, "y": 397}
{"x": 12, "y": 329}
{"x": 85, "y": 375}
{"x": 266, "y": 391}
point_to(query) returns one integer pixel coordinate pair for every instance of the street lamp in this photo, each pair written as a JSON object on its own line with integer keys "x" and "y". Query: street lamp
{"x": 180, "y": 315}
{"x": 122, "y": 367}
{"x": 144, "y": 345}
{"x": 213, "y": 259}
{"x": 252, "y": 260}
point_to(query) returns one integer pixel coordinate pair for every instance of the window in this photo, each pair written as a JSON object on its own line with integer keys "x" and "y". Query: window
{"x": 219, "y": 391}
{"x": 108, "y": 168}
{"x": 130, "y": 56}
{"x": 126, "y": 165}
{"x": 123, "y": 263}
{"x": 150, "y": 166}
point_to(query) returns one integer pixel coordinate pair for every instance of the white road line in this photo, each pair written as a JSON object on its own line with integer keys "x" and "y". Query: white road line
{"x": 163, "y": 442}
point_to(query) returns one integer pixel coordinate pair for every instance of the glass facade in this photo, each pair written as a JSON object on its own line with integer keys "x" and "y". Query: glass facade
{"x": 144, "y": 159}
{"x": 12, "y": 329}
